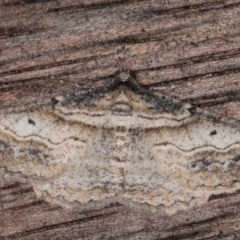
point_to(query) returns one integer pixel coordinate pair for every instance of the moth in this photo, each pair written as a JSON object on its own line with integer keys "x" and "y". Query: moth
{"x": 123, "y": 143}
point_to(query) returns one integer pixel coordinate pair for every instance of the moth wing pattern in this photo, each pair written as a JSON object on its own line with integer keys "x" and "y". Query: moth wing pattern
{"x": 193, "y": 155}
{"x": 59, "y": 154}
{"x": 36, "y": 145}
{"x": 123, "y": 144}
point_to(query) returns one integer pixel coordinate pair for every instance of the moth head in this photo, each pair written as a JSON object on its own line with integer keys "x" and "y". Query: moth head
{"x": 124, "y": 75}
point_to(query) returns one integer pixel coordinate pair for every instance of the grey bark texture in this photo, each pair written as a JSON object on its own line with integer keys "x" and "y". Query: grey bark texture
{"x": 188, "y": 50}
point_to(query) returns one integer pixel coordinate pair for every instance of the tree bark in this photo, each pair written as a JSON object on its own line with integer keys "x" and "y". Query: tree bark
{"x": 188, "y": 50}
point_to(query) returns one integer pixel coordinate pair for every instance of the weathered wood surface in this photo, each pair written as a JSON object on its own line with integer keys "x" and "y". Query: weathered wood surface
{"x": 188, "y": 49}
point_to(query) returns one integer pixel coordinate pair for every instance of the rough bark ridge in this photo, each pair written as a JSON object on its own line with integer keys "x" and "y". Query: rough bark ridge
{"x": 186, "y": 49}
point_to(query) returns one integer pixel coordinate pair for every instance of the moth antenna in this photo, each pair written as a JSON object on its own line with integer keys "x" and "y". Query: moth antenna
{"x": 111, "y": 85}
{"x": 136, "y": 85}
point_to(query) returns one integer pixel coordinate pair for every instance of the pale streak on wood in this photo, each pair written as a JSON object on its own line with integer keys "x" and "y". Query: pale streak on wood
{"x": 122, "y": 144}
